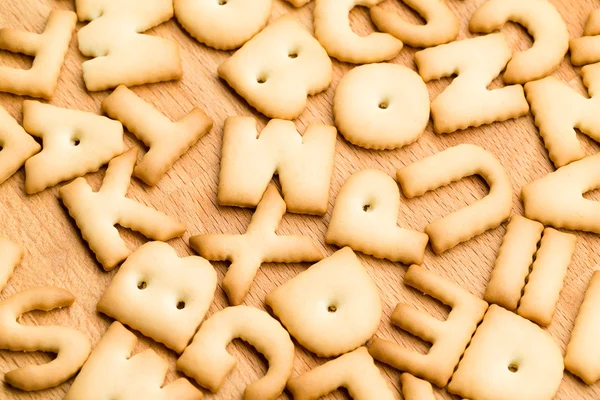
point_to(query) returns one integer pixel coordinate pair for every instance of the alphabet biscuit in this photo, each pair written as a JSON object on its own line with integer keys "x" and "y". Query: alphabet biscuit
{"x": 441, "y": 25}
{"x": 16, "y": 146}
{"x": 121, "y": 54}
{"x": 332, "y": 30}
{"x": 278, "y": 68}
{"x": 48, "y": 49}
{"x": 364, "y": 218}
{"x": 451, "y": 165}
{"x": 448, "y": 338}
{"x": 161, "y": 295}
{"x": 508, "y": 358}
{"x": 304, "y": 164}
{"x": 331, "y": 308}
{"x": 70, "y": 346}
{"x": 167, "y": 140}
{"x": 259, "y": 244}
{"x": 207, "y": 361}
{"x": 542, "y": 21}
{"x": 74, "y": 144}
{"x": 467, "y": 102}
{"x": 222, "y": 24}
{"x": 356, "y": 371}
{"x": 96, "y": 213}
{"x": 112, "y": 371}
{"x": 381, "y": 106}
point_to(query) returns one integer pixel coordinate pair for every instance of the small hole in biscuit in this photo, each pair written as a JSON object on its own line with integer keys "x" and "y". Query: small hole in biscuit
{"x": 75, "y": 142}
{"x": 367, "y": 208}
{"x": 1, "y": 148}
{"x": 383, "y": 105}
{"x": 181, "y": 305}
{"x": 513, "y": 368}
{"x": 332, "y": 308}
{"x": 293, "y": 54}
{"x": 261, "y": 79}
{"x": 142, "y": 285}
{"x": 222, "y": 2}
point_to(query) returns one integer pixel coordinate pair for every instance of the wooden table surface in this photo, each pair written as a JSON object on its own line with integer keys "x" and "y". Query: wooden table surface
{"x": 56, "y": 255}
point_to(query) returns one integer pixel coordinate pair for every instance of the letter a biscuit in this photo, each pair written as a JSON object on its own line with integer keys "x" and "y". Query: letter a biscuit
{"x": 16, "y": 146}
{"x": 74, "y": 144}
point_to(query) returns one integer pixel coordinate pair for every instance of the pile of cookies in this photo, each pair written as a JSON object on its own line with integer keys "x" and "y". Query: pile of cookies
{"x": 490, "y": 348}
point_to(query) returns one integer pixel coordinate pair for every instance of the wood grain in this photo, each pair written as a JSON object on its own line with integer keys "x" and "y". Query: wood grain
{"x": 56, "y": 255}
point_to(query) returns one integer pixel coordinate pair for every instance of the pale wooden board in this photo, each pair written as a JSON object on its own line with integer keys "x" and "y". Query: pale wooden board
{"x": 56, "y": 255}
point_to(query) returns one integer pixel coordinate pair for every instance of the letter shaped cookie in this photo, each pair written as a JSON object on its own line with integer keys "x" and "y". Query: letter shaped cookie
{"x": 16, "y": 146}
{"x": 259, "y": 244}
{"x": 74, "y": 144}
{"x": 96, "y": 213}
{"x": 354, "y": 371}
{"x": 542, "y": 21}
{"x": 10, "y": 256}
{"x": 508, "y": 358}
{"x": 364, "y": 218}
{"x": 121, "y": 54}
{"x": 515, "y": 256}
{"x": 557, "y": 198}
{"x": 448, "y": 338}
{"x": 207, "y": 361}
{"x": 112, "y": 372}
{"x": 71, "y": 346}
{"x": 414, "y": 388}
{"x": 49, "y": 49}
{"x": 223, "y": 24}
{"x": 304, "y": 164}
{"x": 278, "y": 68}
{"x": 558, "y": 110}
{"x": 167, "y": 140}
{"x": 332, "y": 30}
{"x": 381, "y": 106}
{"x": 586, "y": 49}
{"x": 442, "y": 25}
{"x": 331, "y": 308}
{"x": 466, "y": 101}
{"x": 161, "y": 295}
{"x": 449, "y": 166}
{"x": 540, "y": 285}
{"x": 583, "y": 353}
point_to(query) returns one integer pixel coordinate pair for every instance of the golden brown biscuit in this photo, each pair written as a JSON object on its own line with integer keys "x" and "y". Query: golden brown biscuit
{"x": 112, "y": 371}
{"x": 331, "y": 308}
{"x": 48, "y": 49}
{"x": 259, "y": 244}
{"x": 303, "y": 163}
{"x": 161, "y": 295}
{"x": 70, "y": 346}
{"x": 167, "y": 140}
{"x": 449, "y": 166}
{"x": 97, "y": 213}
{"x": 207, "y": 361}
{"x": 448, "y": 338}
{"x": 121, "y": 53}
{"x": 356, "y": 371}
{"x": 16, "y": 146}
